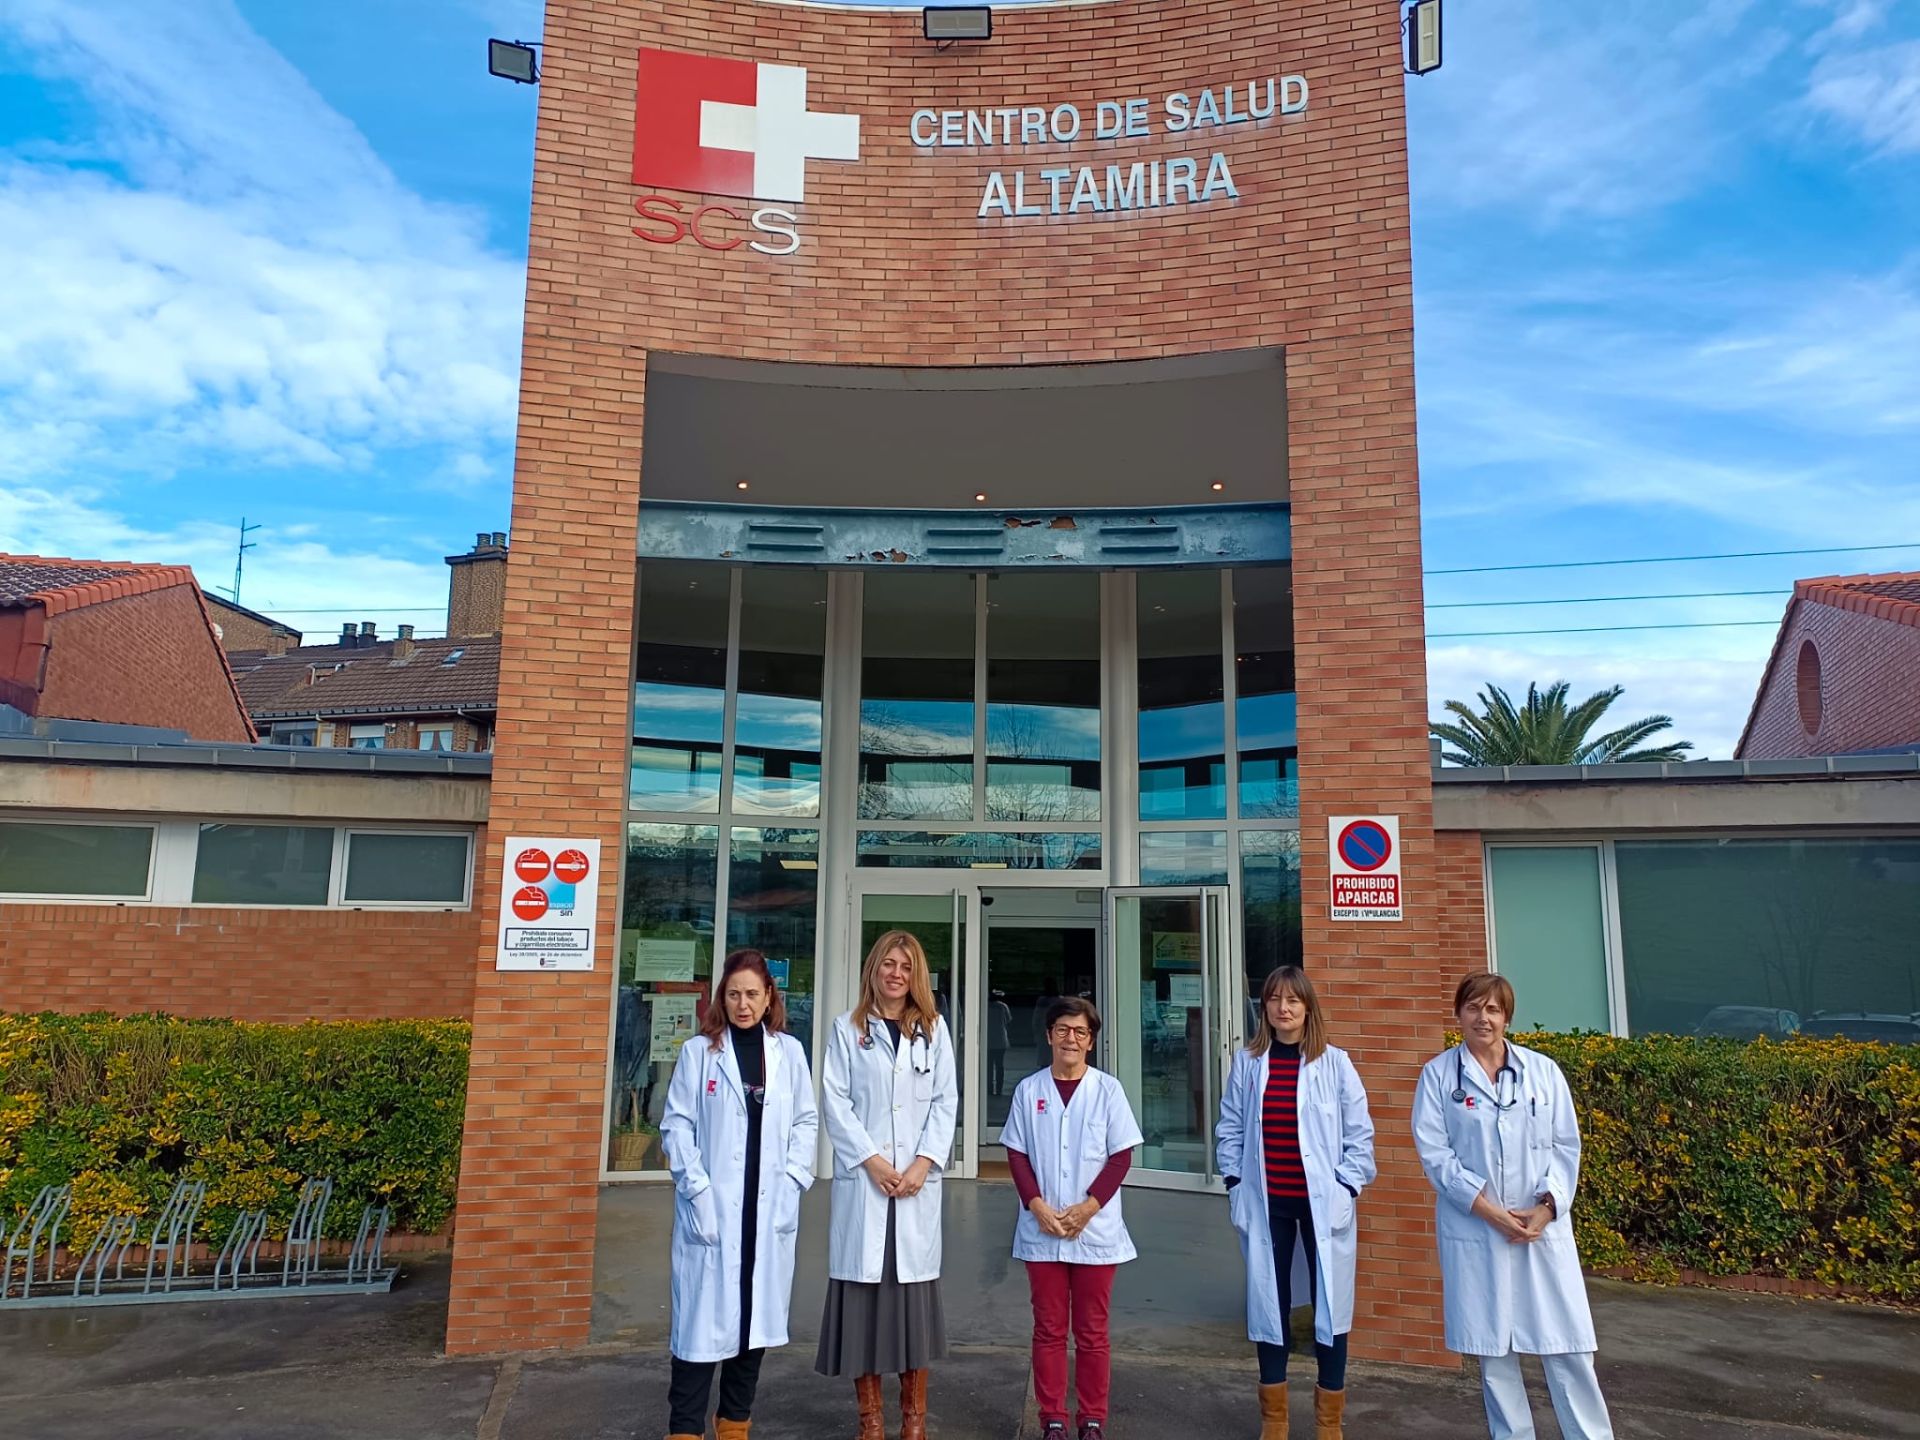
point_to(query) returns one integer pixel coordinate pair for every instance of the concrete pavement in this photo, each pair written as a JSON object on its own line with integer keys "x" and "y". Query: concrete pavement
{"x": 1677, "y": 1364}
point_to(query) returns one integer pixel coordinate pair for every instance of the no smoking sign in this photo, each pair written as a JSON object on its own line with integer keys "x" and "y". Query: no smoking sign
{"x": 550, "y": 901}
{"x": 1363, "y": 853}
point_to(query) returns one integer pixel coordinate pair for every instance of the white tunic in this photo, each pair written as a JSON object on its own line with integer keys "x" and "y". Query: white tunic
{"x": 1068, "y": 1146}
{"x": 1501, "y": 1296}
{"x": 900, "y": 1104}
{"x": 704, "y": 1131}
{"x": 1336, "y": 1150}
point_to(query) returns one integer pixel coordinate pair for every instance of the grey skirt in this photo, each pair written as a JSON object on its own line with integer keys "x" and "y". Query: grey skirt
{"x": 884, "y": 1329}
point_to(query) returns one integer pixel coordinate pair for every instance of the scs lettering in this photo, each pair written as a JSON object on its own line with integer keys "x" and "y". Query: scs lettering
{"x": 716, "y": 227}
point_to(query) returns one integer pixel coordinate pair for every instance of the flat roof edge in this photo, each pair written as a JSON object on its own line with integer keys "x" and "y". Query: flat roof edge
{"x": 1838, "y": 767}
{"x": 212, "y": 755}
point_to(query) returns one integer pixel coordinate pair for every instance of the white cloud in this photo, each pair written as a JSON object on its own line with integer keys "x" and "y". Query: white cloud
{"x": 287, "y": 575}
{"x": 240, "y": 277}
{"x": 1875, "y": 93}
{"x": 1570, "y": 111}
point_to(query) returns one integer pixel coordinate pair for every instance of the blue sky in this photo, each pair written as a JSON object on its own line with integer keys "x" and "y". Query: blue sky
{"x": 266, "y": 259}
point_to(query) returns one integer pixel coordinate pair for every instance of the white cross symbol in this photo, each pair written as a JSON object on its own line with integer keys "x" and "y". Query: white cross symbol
{"x": 779, "y": 132}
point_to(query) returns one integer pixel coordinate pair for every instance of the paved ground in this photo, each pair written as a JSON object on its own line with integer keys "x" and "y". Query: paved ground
{"x": 1677, "y": 1364}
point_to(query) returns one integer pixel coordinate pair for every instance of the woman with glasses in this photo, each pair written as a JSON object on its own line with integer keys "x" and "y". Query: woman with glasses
{"x": 892, "y": 1096}
{"x": 1295, "y": 1143}
{"x": 1498, "y": 1138}
{"x": 1069, "y": 1138}
{"x": 739, "y": 1133}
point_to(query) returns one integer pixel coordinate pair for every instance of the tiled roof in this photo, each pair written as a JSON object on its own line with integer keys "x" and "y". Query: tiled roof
{"x": 221, "y": 603}
{"x": 1893, "y": 597}
{"x": 366, "y": 679}
{"x": 61, "y": 584}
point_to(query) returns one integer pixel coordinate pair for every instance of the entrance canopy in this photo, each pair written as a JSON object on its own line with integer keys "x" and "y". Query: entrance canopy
{"x": 1150, "y": 434}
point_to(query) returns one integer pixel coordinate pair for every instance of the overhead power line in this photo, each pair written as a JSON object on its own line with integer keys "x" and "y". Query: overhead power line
{"x": 1598, "y": 629}
{"x": 1668, "y": 559}
{"x": 1604, "y": 599}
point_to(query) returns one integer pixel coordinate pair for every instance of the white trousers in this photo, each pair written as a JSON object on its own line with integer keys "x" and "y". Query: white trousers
{"x": 1577, "y": 1402}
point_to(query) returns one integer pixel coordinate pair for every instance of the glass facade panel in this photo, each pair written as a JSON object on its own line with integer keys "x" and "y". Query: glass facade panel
{"x": 417, "y": 869}
{"x": 916, "y": 697}
{"x": 679, "y": 687}
{"x": 1549, "y": 934}
{"x": 1183, "y": 857}
{"x": 1159, "y": 1039}
{"x": 776, "y": 727}
{"x": 1183, "y": 718}
{"x": 263, "y": 865}
{"x": 1264, "y": 709}
{"x": 1760, "y": 936}
{"x": 1043, "y": 697}
{"x": 1042, "y": 850}
{"x": 1269, "y": 905}
{"x": 665, "y": 969}
{"x": 773, "y": 892}
{"x": 105, "y": 860}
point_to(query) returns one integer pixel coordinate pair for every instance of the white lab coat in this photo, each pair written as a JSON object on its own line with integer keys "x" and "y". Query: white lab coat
{"x": 1068, "y": 1146}
{"x": 899, "y": 1105}
{"x": 1501, "y": 1296}
{"x": 704, "y": 1130}
{"x": 1336, "y": 1145}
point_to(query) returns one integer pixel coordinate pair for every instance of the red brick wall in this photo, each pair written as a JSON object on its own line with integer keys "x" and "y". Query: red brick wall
{"x": 1870, "y": 671}
{"x": 895, "y": 269}
{"x": 1460, "y": 886}
{"x": 269, "y": 965}
{"x": 143, "y": 660}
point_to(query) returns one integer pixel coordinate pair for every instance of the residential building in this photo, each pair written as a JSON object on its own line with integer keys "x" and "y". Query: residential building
{"x": 244, "y": 629}
{"x": 1844, "y": 676}
{"x": 114, "y": 642}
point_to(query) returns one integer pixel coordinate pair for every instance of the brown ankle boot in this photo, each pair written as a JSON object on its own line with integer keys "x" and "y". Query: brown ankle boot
{"x": 913, "y": 1405}
{"x": 1329, "y": 1409}
{"x": 1273, "y": 1411}
{"x": 731, "y": 1429}
{"x": 873, "y": 1412}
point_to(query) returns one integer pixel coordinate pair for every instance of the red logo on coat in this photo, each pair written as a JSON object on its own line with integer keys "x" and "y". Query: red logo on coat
{"x": 1040, "y": 1106}
{"x": 713, "y": 1087}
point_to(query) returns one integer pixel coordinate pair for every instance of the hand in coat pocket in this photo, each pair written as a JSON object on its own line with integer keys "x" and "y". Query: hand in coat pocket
{"x": 704, "y": 1217}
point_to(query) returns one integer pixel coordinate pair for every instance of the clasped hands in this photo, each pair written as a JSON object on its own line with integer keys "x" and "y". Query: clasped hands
{"x": 1064, "y": 1224}
{"x": 898, "y": 1184}
{"x": 1520, "y": 1227}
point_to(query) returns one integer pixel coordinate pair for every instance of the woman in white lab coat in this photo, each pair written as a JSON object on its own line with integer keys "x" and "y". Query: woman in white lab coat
{"x": 1295, "y": 1143}
{"x": 891, "y": 1094}
{"x": 1069, "y": 1138}
{"x": 1499, "y": 1141}
{"x": 739, "y": 1132}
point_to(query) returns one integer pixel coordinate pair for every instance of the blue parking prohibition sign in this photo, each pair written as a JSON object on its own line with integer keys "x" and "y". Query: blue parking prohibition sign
{"x": 1365, "y": 846}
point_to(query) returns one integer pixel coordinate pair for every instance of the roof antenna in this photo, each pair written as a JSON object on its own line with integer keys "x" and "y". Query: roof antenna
{"x": 240, "y": 558}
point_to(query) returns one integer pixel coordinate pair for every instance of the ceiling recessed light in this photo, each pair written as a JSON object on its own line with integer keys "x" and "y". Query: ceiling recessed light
{"x": 1217, "y": 485}
{"x": 741, "y": 485}
{"x": 982, "y": 495}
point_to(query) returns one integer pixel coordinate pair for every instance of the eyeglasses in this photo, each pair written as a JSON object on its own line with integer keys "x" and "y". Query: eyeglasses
{"x": 1072, "y": 1032}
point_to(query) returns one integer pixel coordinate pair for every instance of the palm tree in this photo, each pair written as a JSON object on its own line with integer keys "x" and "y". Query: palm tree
{"x": 1545, "y": 732}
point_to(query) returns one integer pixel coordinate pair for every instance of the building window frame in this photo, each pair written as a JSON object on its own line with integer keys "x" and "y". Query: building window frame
{"x": 39, "y": 897}
{"x": 173, "y": 854}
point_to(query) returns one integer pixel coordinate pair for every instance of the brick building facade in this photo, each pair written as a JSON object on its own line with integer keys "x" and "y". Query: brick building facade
{"x": 897, "y": 269}
{"x": 1845, "y": 671}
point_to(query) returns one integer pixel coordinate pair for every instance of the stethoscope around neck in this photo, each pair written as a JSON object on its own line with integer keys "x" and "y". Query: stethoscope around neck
{"x": 1506, "y": 1068}
{"x": 919, "y": 1051}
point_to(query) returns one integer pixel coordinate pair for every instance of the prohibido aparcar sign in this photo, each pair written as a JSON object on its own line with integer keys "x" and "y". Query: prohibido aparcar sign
{"x": 1364, "y": 857}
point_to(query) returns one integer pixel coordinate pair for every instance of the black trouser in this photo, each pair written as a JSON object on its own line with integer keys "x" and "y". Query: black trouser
{"x": 1285, "y": 1220}
{"x": 691, "y": 1387}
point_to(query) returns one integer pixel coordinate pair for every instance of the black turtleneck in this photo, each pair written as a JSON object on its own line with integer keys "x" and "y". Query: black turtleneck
{"x": 750, "y": 1054}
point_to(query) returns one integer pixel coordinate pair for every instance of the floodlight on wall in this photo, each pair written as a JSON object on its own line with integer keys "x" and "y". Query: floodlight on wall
{"x": 948, "y": 23}
{"x": 1423, "y": 37}
{"x": 513, "y": 60}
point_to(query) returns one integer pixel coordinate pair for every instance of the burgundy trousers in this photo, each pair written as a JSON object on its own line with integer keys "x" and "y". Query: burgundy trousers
{"x": 1077, "y": 1298}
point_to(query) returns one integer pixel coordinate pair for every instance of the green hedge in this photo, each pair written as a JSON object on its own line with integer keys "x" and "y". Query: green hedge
{"x": 1798, "y": 1159}
{"x": 122, "y": 1107}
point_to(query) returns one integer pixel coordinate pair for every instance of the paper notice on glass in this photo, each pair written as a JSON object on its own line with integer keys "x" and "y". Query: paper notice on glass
{"x": 673, "y": 1024}
{"x": 1183, "y": 990}
{"x": 665, "y": 959}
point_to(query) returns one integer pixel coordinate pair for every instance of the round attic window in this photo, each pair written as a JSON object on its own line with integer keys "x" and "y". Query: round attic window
{"x": 1807, "y": 685}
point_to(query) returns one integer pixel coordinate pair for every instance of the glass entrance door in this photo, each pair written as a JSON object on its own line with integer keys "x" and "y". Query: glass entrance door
{"x": 940, "y": 917}
{"x": 1175, "y": 1018}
